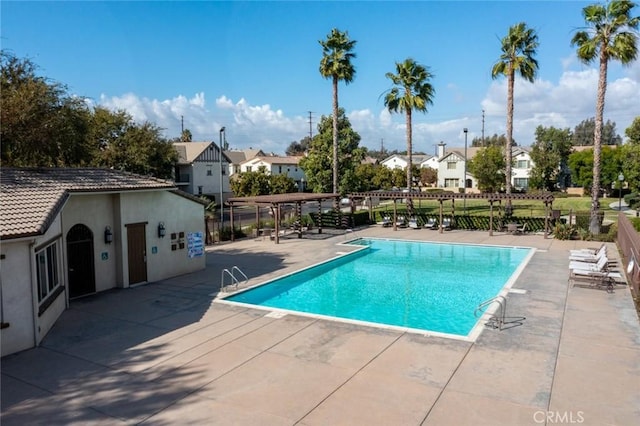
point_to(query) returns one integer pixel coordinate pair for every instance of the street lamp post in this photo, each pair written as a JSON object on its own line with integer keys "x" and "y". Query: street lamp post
{"x": 621, "y": 179}
{"x": 464, "y": 179}
{"x": 221, "y": 181}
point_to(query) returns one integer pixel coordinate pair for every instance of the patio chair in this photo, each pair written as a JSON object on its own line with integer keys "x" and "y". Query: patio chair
{"x": 521, "y": 229}
{"x": 601, "y": 265}
{"x": 386, "y": 221}
{"x": 432, "y": 223}
{"x": 413, "y": 223}
{"x": 597, "y": 279}
{"x": 587, "y": 251}
{"x": 446, "y": 224}
{"x": 586, "y": 257}
{"x": 401, "y": 222}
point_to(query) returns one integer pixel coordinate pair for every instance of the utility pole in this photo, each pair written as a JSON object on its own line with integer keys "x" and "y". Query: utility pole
{"x": 381, "y": 145}
{"x": 310, "y": 125}
{"x": 181, "y": 125}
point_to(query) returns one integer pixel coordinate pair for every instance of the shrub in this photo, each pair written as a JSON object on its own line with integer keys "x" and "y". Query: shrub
{"x": 584, "y": 217}
{"x": 635, "y": 221}
{"x": 563, "y": 231}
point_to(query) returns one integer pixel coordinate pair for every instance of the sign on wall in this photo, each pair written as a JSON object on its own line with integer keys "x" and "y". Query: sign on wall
{"x": 195, "y": 244}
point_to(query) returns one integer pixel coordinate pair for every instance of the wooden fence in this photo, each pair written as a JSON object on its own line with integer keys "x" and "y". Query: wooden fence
{"x": 629, "y": 243}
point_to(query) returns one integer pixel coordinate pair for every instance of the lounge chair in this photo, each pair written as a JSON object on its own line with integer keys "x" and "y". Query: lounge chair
{"x": 401, "y": 222}
{"x": 386, "y": 221}
{"x": 587, "y": 251}
{"x": 446, "y": 224}
{"x": 597, "y": 279}
{"x": 521, "y": 229}
{"x": 587, "y": 257}
{"x": 600, "y": 266}
{"x": 413, "y": 223}
{"x": 432, "y": 223}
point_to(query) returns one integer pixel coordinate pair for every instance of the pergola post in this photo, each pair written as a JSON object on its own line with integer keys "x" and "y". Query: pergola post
{"x": 453, "y": 213}
{"x": 395, "y": 216}
{"x": 277, "y": 225}
{"x": 299, "y": 218}
{"x": 257, "y": 220}
{"x": 231, "y": 222}
{"x": 441, "y": 228}
{"x": 320, "y": 217}
{"x": 546, "y": 219}
{"x": 491, "y": 218}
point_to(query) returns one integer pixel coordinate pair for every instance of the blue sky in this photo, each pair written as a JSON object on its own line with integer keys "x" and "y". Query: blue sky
{"x": 253, "y": 66}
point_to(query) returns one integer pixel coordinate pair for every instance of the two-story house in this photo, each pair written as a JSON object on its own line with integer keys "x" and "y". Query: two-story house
{"x": 277, "y": 165}
{"x": 397, "y": 161}
{"x": 521, "y": 169}
{"x": 237, "y": 157}
{"x": 201, "y": 170}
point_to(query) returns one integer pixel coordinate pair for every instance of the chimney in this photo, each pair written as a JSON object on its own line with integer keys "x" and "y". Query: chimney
{"x": 441, "y": 146}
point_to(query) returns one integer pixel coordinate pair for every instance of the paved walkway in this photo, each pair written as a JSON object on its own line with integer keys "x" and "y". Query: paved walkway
{"x": 166, "y": 354}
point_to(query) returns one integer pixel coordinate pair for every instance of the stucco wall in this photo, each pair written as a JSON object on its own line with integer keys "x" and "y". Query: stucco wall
{"x": 178, "y": 215}
{"x": 17, "y": 306}
{"x": 95, "y": 212}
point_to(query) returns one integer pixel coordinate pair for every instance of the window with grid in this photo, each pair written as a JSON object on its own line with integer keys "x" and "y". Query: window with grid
{"x": 451, "y": 183}
{"x": 451, "y": 165}
{"x": 47, "y": 271}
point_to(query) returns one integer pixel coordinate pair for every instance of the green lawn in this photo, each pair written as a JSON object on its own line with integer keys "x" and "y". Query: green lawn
{"x": 522, "y": 208}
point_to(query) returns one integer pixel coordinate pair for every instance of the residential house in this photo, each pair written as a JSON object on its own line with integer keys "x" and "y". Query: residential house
{"x": 201, "y": 171}
{"x": 521, "y": 169}
{"x": 71, "y": 232}
{"x": 397, "y": 161}
{"x": 237, "y": 157}
{"x": 277, "y": 165}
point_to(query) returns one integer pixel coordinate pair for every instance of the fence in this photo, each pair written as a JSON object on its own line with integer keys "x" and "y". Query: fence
{"x": 629, "y": 243}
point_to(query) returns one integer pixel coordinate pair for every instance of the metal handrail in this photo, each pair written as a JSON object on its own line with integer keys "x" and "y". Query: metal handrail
{"x": 502, "y": 301}
{"x": 234, "y": 280}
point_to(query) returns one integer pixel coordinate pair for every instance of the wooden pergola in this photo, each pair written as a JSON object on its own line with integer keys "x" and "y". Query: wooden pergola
{"x": 276, "y": 202}
{"x": 545, "y": 198}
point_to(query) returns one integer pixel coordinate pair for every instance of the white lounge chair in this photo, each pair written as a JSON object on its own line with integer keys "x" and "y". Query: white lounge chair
{"x": 600, "y": 266}
{"x": 413, "y": 223}
{"x": 386, "y": 221}
{"x": 586, "y": 257}
{"x": 587, "y": 251}
{"x": 432, "y": 223}
{"x": 446, "y": 224}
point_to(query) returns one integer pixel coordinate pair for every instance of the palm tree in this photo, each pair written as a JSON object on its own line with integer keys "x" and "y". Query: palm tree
{"x": 413, "y": 91}
{"x": 336, "y": 65}
{"x": 609, "y": 35}
{"x": 518, "y": 51}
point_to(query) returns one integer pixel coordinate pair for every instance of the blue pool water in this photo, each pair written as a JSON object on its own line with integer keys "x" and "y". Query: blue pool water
{"x": 426, "y": 286}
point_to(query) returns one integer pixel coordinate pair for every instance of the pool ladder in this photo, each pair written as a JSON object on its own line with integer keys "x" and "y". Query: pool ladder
{"x": 234, "y": 279}
{"x": 499, "y": 319}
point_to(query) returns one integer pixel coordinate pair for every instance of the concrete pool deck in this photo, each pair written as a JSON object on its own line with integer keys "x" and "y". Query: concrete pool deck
{"x": 166, "y": 353}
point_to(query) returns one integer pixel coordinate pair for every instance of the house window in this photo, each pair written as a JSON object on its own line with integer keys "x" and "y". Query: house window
{"x": 522, "y": 164}
{"x": 451, "y": 165}
{"x": 209, "y": 171}
{"x": 280, "y": 169}
{"x": 521, "y": 183}
{"x": 451, "y": 183}
{"x": 47, "y": 270}
{"x": 200, "y": 190}
{"x": 248, "y": 168}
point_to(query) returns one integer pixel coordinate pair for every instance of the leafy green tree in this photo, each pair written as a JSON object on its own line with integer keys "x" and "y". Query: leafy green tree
{"x": 630, "y": 154}
{"x": 399, "y": 178}
{"x": 281, "y": 184}
{"x": 549, "y": 153}
{"x": 298, "y": 148}
{"x": 583, "y": 133}
{"x": 428, "y": 176}
{"x": 317, "y": 164}
{"x": 633, "y": 132}
{"x": 186, "y": 136}
{"x": 518, "y": 50}
{"x": 383, "y": 178}
{"x": 610, "y": 34}
{"x": 337, "y": 54}
{"x": 488, "y": 166}
{"x": 42, "y": 125}
{"x": 250, "y": 184}
{"x": 412, "y": 91}
{"x": 494, "y": 140}
{"x": 581, "y": 166}
{"x": 364, "y": 175}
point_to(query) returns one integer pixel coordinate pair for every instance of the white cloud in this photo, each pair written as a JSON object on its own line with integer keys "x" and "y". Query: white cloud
{"x": 564, "y": 103}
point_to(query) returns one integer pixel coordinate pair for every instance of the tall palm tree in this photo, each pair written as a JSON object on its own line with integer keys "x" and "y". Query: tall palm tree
{"x": 518, "y": 51}
{"x": 337, "y": 53}
{"x": 610, "y": 34}
{"x": 413, "y": 91}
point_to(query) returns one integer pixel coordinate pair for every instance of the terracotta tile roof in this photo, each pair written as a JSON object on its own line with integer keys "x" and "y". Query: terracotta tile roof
{"x": 31, "y": 198}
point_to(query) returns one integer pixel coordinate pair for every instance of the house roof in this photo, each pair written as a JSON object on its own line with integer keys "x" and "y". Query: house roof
{"x": 239, "y": 156}
{"x": 31, "y": 198}
{"x": 189, "y": 151}
{"x": 276, "y": 160}
{"x": 415, "y": 158}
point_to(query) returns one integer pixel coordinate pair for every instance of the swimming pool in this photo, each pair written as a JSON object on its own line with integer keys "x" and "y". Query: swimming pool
{"x": 423, "y": 286}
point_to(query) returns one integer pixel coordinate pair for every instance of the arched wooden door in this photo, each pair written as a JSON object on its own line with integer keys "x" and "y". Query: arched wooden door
{"x": 82, "y": 279}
